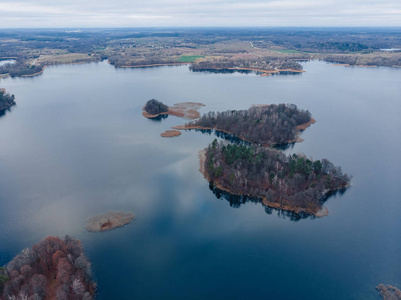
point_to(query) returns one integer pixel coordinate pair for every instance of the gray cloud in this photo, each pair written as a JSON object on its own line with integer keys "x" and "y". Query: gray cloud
{"x": 136, "y": 13}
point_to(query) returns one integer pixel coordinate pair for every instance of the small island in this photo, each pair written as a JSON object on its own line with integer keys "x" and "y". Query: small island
{"x": 171, "y": 133}
{"x": 266, "y": 125}
{"x": 54, "y": 268}
{"x": 109, "y": 221}
{"x": 154, "y": 109}
{"x": 292, "y": 183}
{"x": 6, "y": 100}
{"x": 389, "y": 292}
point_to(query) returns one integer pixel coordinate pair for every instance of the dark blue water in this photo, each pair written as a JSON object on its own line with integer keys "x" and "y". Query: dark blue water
{"x": 76, "y": 145}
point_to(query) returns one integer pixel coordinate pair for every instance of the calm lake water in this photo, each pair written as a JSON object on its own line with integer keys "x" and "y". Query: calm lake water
{"x": 76, "y": 145}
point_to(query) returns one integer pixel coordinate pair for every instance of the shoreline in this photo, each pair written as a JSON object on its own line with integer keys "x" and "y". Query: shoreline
{"x": 264, "y": 72}
{"x": 35, "y": 74}
{"x": 300, "y": 128}
{"x": 153, "y": 65}
{"x": 45, "y": 66}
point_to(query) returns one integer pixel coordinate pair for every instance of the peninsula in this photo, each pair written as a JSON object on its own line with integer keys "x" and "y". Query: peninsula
{"x": 265, "y": 65}
{"x": 292, "y": 183}
{"x": 54, "y": 268}
{"x": 266, "y": 125}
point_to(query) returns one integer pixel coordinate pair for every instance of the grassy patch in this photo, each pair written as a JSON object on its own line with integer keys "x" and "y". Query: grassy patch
{"x": 287, "y": 51}
{"x": 189, "y": 58}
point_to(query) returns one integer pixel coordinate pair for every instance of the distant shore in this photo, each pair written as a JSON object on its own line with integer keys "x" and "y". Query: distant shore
{"x": 264, "y": 72}
{"x": 155, "y": 65}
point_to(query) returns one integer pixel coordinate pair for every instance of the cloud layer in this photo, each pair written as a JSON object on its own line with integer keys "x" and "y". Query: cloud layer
{"x": 180, "y": 13}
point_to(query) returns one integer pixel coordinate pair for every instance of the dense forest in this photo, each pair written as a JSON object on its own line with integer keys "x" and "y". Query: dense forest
{"x": 265, "y": 63}
{"x": 268, "y": 125}
{"x": 6, "y": 100}
{"x": 155, "y": 107}
{"x": 293, "y": 183}
{"x": 54, "y": 268}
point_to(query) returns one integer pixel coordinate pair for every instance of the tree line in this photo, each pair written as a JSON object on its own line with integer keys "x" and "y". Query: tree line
{"x": 54, "y": 268}
{"x": 295, "y": 181}
{"x": 267, "y": 125}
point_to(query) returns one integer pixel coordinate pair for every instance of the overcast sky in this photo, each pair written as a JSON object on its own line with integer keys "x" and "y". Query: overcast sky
{"x": 183, "y": 13}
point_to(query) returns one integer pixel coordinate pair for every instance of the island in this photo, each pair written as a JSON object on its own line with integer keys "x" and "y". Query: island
{"x": 266, "y": 125}
{"x": 154, "y": 109}
{"x": 171, "y": 133}
{"x": 293, "y": 183}
{"x": 54, "y": 268}
{"x": 109, "y": 221}
{"x": 389, "y": 292}
{"x": 6, "y": 100}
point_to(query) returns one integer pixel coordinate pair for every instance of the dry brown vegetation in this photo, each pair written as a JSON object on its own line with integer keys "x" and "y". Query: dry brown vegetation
{"x": 109, "y": 221}
{"x": 171, "y": 133}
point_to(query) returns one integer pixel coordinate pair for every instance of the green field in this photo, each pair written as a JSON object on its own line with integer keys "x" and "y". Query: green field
{"x": 189, "y": 58}
{"x": 287, "y": 51}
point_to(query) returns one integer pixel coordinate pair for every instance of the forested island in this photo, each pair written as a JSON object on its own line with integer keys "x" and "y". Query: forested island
{"x": 266, "y": 125}
{"x": 6, "y": 100}
{"x": 252, "y": 169}
{"x": 292, "y": 183}
{"x": 155, "y": 109}
{"x": 54, "y": 268}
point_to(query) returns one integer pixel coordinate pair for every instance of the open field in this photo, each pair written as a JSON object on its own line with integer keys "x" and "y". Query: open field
{"x": 189, "y": 58}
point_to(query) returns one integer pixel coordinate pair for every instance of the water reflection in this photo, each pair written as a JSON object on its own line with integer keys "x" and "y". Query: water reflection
{"x": 229, "y": 71}
{"x": 224, "y": 71}
{"x": 159, "y": 118}
{"x": 284, "y": 147}
{"x": 224, "y": 135}
{"x": 236, "y": 201}
{"x": 6, "y": 110}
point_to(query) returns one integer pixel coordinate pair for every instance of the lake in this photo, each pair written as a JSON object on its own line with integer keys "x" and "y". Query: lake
{"x": 76, "y": 145}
